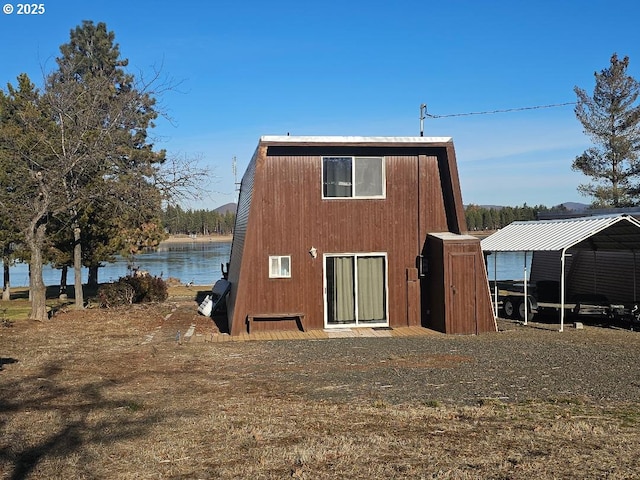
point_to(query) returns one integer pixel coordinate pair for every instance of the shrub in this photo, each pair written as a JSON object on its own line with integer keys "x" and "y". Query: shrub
{"x": 116, "y": 294}
{"x": 148, "y": 288}
{"x": 128, "y": 290}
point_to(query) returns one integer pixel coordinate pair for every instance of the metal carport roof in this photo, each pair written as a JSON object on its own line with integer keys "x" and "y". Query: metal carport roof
{"x": 601, "y": 232}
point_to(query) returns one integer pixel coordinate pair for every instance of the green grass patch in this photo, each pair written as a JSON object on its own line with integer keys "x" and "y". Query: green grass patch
{"x": 14, "y": 310}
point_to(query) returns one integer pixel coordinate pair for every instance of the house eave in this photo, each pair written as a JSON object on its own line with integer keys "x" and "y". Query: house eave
{"x": 352, "y": 140}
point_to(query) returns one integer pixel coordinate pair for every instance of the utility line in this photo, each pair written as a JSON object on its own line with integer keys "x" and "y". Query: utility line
{"x": 499, "y": 111}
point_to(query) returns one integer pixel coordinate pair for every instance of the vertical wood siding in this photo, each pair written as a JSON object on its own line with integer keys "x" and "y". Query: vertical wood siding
{"x": 458, "y": 299}
{"x": 287, "y": 216}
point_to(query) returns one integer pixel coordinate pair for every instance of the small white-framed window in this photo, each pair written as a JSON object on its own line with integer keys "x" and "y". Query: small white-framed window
{"x": 353, "y": 177}
{"x": 280, "y": 266}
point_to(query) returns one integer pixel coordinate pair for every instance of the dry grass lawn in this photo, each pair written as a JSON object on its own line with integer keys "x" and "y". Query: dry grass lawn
{"x": 112, "y": 394}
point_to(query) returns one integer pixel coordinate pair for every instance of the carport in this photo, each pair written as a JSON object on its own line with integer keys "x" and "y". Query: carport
{"x": 595, "y": 233}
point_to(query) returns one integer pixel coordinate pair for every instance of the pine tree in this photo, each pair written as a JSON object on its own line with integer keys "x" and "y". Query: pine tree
{"x": 611, "y": 118}
{"x": 103, "y": 117}
{"x": 30, "y": 179}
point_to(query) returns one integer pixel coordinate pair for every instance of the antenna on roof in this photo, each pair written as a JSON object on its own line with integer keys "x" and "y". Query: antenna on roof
{"x": 423, "y": 114}
{"x": 234, "y": 168}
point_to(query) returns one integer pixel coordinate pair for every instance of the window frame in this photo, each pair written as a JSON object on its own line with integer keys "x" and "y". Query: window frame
{"x": 279, "y": 259}
{"x": 354, "y": 195}
{"x": 357, "y": 321}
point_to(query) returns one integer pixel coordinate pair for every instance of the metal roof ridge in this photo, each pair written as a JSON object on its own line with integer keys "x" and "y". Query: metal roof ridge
{"x": 351, "y": 139}
{"x": 573, "y": 219}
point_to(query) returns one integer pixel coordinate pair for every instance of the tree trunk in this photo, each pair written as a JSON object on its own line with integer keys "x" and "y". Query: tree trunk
{"x": 38, "y": 290}
{"x": 77, "y": 268}
{"x": 6, "y": 288}
{"x": 93, "y": 275}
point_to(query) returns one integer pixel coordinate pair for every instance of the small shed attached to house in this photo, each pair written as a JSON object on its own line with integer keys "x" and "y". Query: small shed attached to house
{"x": 348, "y": 232}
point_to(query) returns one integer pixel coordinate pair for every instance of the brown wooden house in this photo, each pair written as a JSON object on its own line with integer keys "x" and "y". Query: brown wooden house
{"x": 336, "y": 232}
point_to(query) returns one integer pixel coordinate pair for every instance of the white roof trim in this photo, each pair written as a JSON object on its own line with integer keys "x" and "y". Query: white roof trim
{"x": 347, "y": 139}
{"x": 551, "y": 235}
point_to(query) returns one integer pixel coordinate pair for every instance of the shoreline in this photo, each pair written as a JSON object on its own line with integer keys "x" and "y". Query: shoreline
{"x": 196, "y": 239}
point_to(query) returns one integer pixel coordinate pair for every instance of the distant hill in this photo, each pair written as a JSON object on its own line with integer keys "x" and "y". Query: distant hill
{"x": 573, "y": 206}
{"x": 224, "y": 209}
{"x": 495, "y": 207}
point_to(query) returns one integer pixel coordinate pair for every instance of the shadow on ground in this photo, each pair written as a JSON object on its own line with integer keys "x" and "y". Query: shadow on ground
{"x": 66, "y": 413}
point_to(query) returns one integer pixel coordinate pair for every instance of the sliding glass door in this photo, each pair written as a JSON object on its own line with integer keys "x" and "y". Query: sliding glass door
{"x": 356, "y": 290}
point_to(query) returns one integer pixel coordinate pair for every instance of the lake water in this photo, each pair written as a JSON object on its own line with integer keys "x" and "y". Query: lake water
{"x": 200, "y": 263}
{"x": 196, "y": 262}
{"x": 509, "y": 265}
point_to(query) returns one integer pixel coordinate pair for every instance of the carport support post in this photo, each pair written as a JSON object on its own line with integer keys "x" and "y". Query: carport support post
{"x": 526, "y": 293}
{"x": 495, "y": 282}
{"x": 562, "y": 262}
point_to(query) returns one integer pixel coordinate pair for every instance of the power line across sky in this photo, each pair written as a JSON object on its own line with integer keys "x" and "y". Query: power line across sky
{"x": 506, "y": 110}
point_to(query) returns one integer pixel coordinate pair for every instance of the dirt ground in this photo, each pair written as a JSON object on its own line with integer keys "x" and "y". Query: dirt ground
{"x": 119, "y": 394}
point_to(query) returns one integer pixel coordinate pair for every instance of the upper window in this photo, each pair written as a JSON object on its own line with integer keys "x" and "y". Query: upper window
{"x": 280, "y": 266}
{"x": 353, "y": 177}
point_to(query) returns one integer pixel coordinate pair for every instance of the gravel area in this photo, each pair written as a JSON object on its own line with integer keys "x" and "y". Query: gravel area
{"x": 519, "y": 363}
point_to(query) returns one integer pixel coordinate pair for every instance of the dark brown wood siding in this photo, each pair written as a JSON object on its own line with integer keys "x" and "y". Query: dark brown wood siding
{"x": 451, "y": 189}
{"x": 288, "y": 216}
{"x": 459, "y": 300}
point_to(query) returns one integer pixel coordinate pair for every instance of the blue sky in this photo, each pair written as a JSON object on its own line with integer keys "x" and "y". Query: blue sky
{"x": 247, "y": 68}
